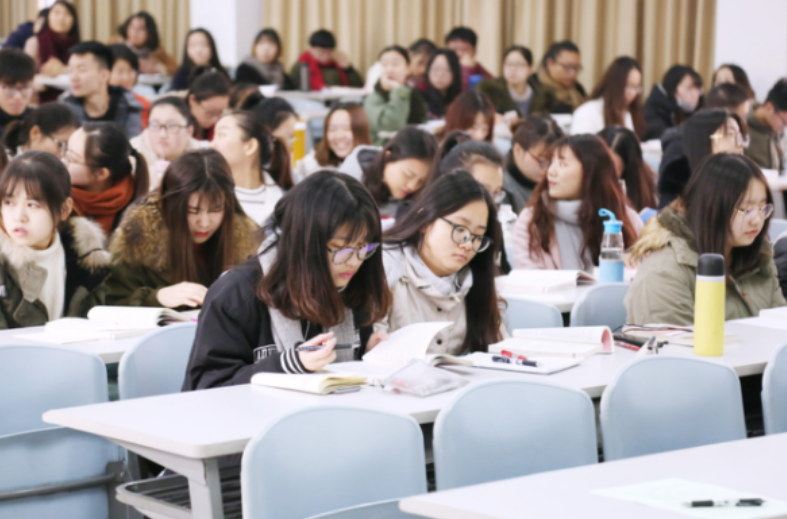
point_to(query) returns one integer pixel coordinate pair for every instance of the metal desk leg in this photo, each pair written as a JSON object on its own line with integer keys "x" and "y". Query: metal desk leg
{"x": 206, "y": 502}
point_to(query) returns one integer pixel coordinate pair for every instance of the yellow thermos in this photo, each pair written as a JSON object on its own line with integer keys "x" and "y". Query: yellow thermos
{"x": 709, "y": 306}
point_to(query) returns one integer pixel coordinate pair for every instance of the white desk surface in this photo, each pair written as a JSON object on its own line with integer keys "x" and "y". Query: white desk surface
{"x": 756, "y": 465}
{"x": 216, "y": 422}
{"x": 327, "y": 94}
{"x": 109, "y": 351}
{"x": 563, "y": 299}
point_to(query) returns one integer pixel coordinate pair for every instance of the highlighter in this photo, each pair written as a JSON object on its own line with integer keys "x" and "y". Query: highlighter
{"x": 709, "y": 306}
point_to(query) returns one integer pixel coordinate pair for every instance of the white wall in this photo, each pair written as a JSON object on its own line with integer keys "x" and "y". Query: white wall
{"x": 753, "y": 34}
{"x": 233, "y": 24}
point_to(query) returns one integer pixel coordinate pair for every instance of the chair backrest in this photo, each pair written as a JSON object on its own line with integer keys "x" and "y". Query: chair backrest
{"x": 602, "y": 305}
{"x": 327, "y": 458}
{"x": 156, "y": 365}
{"x": 35, "y": 379}
{"x": 774, "y": 392}
{"x": 776, "y": 227}
{"x": 510, "y": 428}
{"x": 383, "y": 510}
{"x": 664, "y": 403}
{"x": 522, "y": 313}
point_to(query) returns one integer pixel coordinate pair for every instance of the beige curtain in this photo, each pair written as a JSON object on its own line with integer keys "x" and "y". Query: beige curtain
{"x": 14, "y": 12}
{"x": 658, "y": 33}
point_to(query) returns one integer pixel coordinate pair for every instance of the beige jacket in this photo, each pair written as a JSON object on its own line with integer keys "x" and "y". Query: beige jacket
{"x": 663, "y": 289}
{"x": 156, "y": 169}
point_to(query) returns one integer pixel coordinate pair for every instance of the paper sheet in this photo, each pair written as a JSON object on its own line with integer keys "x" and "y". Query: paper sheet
{"x": 765, "y": 322}
{"x": 405, "y": 344}
{"x": 671, "y": 494}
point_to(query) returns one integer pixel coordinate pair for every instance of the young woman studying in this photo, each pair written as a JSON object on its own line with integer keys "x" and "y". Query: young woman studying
{"x": 199, "y": 51}
{"x": 443, "y": 82}
{"x": 263, "y": 65}
{"x": 318, "y": 280}
{"x": 169, "y": 249}
{"x": 512, "y": 94}
{"x": 439, "y": 263}
{"x": 50, "y": 260}
{"x": 260, "y": 163}
{"x": 725, "y": 209}
{"x": 672, "y": 101}
{"x": 562, "y": 229}
{"x": 107, "y": 173}
{"x": 208, "y": 96}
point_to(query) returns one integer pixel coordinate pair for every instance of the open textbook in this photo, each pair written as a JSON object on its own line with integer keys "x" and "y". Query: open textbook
{"x": 320, "y": 383}
{"x": 558, "y": 342}
{"x": 541, "y": 281}
{"x": 412, "y": 342}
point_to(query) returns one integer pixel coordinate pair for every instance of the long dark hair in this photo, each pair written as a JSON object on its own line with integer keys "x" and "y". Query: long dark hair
{"x": 710, "y": 200}
{"x": 740, "y": 77}
{"x": 612, "y": 89}
{"x": 108, "y": 147}
{"x": 600, "y": 189}
{"x": 271, "y": 34}
{"x": 359, "y": 123}
{"x": 44, "y": 177}
{"x": 639, "y": 178}
{"x": 672, "y": 78}
{"x": 272, "y": 152}
{"x": 299, "y": 283}
{"x": 74, "y": 32}
{"x": 408, "y": 143}
{"x": 206, "y": 82}
{"x": 437, "y": 101}
{"x": 50, "y": 118}
{"x": 462, "y": 112}
{"x": 465, "y": 155}
{"x": 273, "y": 112}
{"x": 698, "y": 129}
{"x": 533, "y": 130}
{"x": 449, "y": 194}
{"x": 214, "y": 62}
{"x": 205, "y": 172}
{"x": 152, "y": 43}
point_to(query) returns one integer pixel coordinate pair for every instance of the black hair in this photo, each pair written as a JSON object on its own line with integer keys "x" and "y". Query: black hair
{"x": 240, "y": 92}
{"x": 152, "y": 43}
{"x": 108, "y": 147}
{"x": 449, "y": 194}
{"x": 675, "y": 74}
{"x": 777, "y": 96}
{"x": 455, "y": 88}
{"x": 423, "y": 46}
{"x": 207, "y": 82}
{"x": 120, "y": 51}
{"x": 16, "y": 67}
{"x": 465, "y": 34}
{"x": 273, "y": 112}
{"x": 214, "y": 61}
{"x": 49, "y": 118}
{"x": 740, "y": 77}
{"x": 459, "y": 152}
{"x": 698, "y": 129}
{"x": 273, "y": 154}
{"x": 524, "y": 51}
{"x": 272, "y": 35}
{"x": 100, "y": 52}
{"x": 556, "y": 48}
{"x": 178, "y": 104}
{"x": 639, "y": 178}
{"x": 44, "y": 177}
{"x": 74, "y": 32}
{"x": 726, "y": 95}
{"x": 323, "y": 39}
{"x": 398, "y": 49}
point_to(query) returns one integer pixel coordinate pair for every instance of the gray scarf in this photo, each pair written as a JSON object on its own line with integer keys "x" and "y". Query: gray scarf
{"x": 273, "y": 73}
{"x": 569, "y": 235}
{"x": 286, "y": 332}
{"x": 458, "y": 283}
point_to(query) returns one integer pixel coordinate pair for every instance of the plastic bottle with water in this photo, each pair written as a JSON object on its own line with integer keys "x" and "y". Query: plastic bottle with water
{"x": 611, "y": 262}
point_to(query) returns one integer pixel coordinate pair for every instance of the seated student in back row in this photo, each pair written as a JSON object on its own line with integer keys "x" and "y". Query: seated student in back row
{"x": 724, "y": 209}
{"x": 463, "y": 41}
{"x": 557, "y": 90}
{"x": 318, "y": 279}
{"x": 327, "y": 66}
{"x": 172, "y": 246}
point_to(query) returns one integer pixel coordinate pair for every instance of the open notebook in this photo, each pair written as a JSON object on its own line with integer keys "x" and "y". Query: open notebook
{"x": 577, "y": 343}
{"x": 541, "y": 281}
{"x": 412, "y": 342}
{"x": 320, "y": 383}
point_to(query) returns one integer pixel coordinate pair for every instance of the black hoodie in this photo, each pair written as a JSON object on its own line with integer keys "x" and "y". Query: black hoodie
{"x": 659, "y": 113}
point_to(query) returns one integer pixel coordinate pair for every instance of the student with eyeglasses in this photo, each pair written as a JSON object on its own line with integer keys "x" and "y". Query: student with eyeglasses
{"x": 170, "y": 134}
{"x": 17, "y": 70}
{"x": 766, "y": 124}
{"x": 440, "y": 264}
{"x": 317, "y": 281}
{"x": 208, "y": 97}
{"x": 725, "y": 210}
{"x": 47, "y": 128}
{"x": 557, "y": 90}
{"x": 561, "y": 229}
{"x": 616, "y": 101}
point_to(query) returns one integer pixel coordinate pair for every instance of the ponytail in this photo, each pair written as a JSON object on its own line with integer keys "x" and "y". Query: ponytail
{"x": 108, "y": 147}
{"x": 273, "y": 152}
{"x": 15, "y": 136}
{"x": 50, "y": 118}
{"x": 139, "y": 170}
{"x": 279, "y": 168}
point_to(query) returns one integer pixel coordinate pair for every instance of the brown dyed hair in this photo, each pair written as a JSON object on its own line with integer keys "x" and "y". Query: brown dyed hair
{"x": 600, "y": 189}
{"x": 204, "y": 172}
{"x": 360, "y": 128}
{"x": 462, "y": 112}
{"x": 612, "y": 89}
{"x": 299, "y": 283}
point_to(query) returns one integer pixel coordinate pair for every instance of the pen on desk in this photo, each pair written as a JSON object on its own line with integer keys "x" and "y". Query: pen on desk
{"x": 525, "y": 362}
{"x": 708, "y": 503}
{"x": 504, "y": 360}
{"x": 340, "y": 346}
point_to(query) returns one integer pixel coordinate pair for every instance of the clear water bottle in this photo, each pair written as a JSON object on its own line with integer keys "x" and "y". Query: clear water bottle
{"x": 305, "y": 79}
{"x": 611, "y": 262}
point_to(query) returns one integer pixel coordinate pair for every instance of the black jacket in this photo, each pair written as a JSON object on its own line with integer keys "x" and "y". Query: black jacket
{"x": 659, "y": 113}
{"x": 674, "y": 170}
{"x": 234, "y": 323}
{"x": 780, "y": 258}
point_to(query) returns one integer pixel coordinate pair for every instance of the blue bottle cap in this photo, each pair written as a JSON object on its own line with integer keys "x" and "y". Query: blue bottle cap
{"x": 611, "y": 226}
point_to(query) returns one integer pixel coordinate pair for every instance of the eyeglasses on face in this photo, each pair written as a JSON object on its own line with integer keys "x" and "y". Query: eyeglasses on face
{"x": 155, "y": 127}
{"x": 363, "y": 253}
{"x": 766, "y": 211}
{"x": 461, "y": 235}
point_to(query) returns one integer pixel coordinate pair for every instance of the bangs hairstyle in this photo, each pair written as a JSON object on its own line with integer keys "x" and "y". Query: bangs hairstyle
{"x": 698, "y": 129}
{"x": 612, "y": 89}
{"x": 740, "y": 77}
{"x": 455, "y": 88}
{"x": 74, "y": 32}
{"x": 447, "y": 195}
{"x": 271, "y": 35}
{"x": 359, "y": 123}
{"x": 44, "y": 177}
{"x": 108, "y": 147}
{"x": 639, "y": 178}
{"x": 523, "y": 51}
{"x": 532, "y": 131}
{"x": 204, "y": 172}
{"x": 710, "y": 200}
{"x": 178, "y": 104}
{"x": 599, "y": 189}
{"x": 152, "y": 43}
{"x": 462, "y": 112}
{"x": 299, "y": 283}
{"x": 272, "y": 153}
{"x": 397, "y": 49}
{"x": 16, "y": 67}
{"x": 214, "y": 61}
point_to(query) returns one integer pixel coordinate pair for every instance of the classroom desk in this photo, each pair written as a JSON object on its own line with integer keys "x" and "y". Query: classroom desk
{"x": 60, "y": 82}
{"x": 186, "y": 432}
{"x": 563, "y": 300}
{"x": 154, "y": 80}
{"x": 325, "y": 95}
{"x": 756, "y": 465}
{"x": 109, "y": 351}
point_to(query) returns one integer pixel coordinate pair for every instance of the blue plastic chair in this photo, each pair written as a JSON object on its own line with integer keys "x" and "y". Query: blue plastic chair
{"x": 383, "y": 510}
{"x": 774, "y": 392}
{"x": 509, "y": 428}
{"x": 522, "y": 313}
{"x": 34, "y": 454}
{"x": 776, "y": 227}
{"x": 602, "y": 305}
{"x": 156, "y": 365}
{"x": 328, "y": 458}
{"x": 663, "y": 403}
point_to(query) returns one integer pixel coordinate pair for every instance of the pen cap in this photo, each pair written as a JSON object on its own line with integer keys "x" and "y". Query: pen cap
{"x": 611, "y": 226}
{"x": 711, "y": 265}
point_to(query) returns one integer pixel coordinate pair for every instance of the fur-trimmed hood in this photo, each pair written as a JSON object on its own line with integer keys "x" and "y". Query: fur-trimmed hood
{"x": 142, "y": 237}
{"x": 83, "y": 237}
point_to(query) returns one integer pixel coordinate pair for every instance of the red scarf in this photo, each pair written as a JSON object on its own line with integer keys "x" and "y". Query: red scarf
{"x": 53, "y": 45}
{"x": 104, "y": 206}
{"x": 315, "y": 72}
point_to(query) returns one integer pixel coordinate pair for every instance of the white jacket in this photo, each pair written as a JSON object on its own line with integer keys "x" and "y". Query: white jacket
{"x": 156, "y": 168}
{"x": 589, "y": 118}
{"x": 308, "y": 165}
